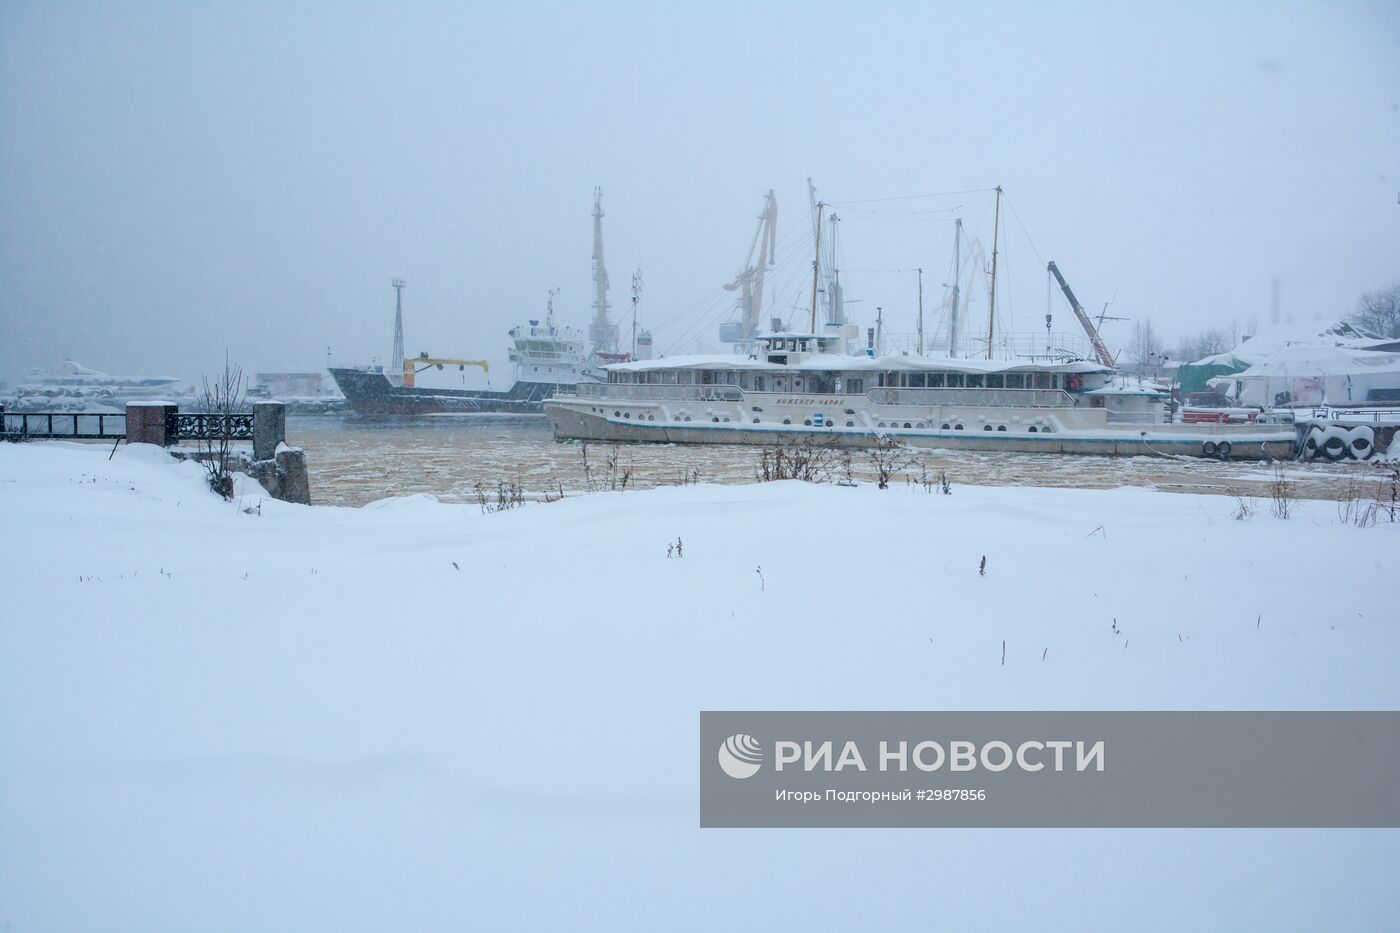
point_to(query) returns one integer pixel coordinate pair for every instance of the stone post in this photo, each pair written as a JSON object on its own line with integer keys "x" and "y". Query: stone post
{"x": 145, "y": 422}
{"x": 269, "y": 428}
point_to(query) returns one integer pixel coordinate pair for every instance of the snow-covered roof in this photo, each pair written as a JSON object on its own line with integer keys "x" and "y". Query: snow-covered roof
{"x": 1323, "y": 360}
{"x": 835, "y": 362}
{"x": 1127, "y": 385}
{"x": 1270, "y": 340}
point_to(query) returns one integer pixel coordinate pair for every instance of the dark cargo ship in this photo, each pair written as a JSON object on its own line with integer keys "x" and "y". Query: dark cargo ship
{"x": 545, "y": 358}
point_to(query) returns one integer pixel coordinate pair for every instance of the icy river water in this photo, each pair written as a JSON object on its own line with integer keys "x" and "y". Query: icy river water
{"x": 355, "y": 460}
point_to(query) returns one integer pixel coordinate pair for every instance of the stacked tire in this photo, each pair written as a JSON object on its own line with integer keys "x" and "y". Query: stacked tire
{"x": 1337, "y": 442}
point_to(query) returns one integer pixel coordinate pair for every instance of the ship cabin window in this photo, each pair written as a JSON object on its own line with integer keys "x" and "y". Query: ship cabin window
{"x": 955, "y": 380}
{"x": 707, "y": 377}
{"x": 974, "y": 380}
{"x": 1054, "y": 380}
{"x": 797, "y": 383}
{"x": 668, "y": 377}
{"x": 685, "y": 377}
{"x": 916, "y": 380}
{"x": 1042, "y": 380}
{"x": 935, "y": 380}
{"x": 855, "y": 386}
{"x": 1015, "y": 381}
{"x": 758, "y": 383}
{"x": 994, "y": 381}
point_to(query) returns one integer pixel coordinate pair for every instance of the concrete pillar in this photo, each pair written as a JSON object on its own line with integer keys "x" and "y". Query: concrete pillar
{"x": 269, "y": 428}
{"x": 293, "y": 483}
{"x": 145, "y": 422}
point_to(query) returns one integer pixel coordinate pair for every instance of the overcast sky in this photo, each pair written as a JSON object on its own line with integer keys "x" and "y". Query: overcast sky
{"x": 180, "y": 179}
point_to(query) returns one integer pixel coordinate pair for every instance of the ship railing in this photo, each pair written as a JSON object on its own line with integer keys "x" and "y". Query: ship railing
{"x": 1336, "y": 413}
{"x": 617, "y": 390}
{"x": 974, "y": 398}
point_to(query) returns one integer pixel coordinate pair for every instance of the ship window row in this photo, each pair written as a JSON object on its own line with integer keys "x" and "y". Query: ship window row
{"x": 837, "y": 383}
{"x": 936, "y": 380}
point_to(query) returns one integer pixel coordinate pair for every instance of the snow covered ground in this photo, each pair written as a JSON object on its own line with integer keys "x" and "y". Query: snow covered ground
{"x": 309, "y": 718}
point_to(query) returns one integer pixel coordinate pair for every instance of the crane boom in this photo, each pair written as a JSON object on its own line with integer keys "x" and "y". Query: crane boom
{"x": 412, "y": 367}
{"x": 1100, "y": 350}
{"x": 749, "y": 282}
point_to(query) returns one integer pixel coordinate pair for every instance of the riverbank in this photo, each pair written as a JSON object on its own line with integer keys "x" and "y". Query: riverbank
{"x": 224, "y": 715}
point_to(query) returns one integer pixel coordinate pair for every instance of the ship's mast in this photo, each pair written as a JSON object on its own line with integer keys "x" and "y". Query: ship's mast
{"x": 992, "y": 303}
{"x": 921, "y": 311}
{"x": 834, "y": 300}
{"x": 957, "y": 288}
{"x": 636, "y": 297}
{"x": 816, "y": 265}
{"x": 396, "y": 359}
{"x": 835, "y": 306}
{"x": 602, "y": 333}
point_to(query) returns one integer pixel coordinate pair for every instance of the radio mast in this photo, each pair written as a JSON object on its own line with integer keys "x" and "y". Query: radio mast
{"x": 396, "y": 358}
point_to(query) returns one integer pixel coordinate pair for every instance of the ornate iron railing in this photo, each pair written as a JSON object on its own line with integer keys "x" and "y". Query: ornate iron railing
{"x": 63, "y": 424}
{"x": 182, "y": 427}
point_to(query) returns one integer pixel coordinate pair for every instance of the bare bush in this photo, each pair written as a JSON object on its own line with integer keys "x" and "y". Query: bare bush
{"x": 1388, "y": 496}
{"x": 223, "y": 398}
{"x": 1282, "y": 499}
{"x": 508, "y": 495}
{"x": 803, "y": 460}
{"x": 889, "y": 457}
{"x": 1244, "y": 506}
{"x": 1357, "y": 503}
{"x": 587, "y": 467}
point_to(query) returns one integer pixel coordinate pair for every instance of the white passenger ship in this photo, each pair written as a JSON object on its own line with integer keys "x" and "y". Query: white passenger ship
{"x": 805, "y": 386}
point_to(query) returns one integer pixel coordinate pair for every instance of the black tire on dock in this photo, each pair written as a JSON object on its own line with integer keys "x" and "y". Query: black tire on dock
{"x": 1361, "y": 442}
{"x": 1222, "y": 450}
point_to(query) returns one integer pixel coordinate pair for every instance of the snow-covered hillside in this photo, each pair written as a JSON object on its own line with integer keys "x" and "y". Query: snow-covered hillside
{"x": 217, "y": 716}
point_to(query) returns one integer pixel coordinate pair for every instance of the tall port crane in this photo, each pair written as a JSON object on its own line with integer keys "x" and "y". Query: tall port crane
{"x": 1100, "y": 350}
{"x": 749, "y": 282}
{"x": 602, "y": 332}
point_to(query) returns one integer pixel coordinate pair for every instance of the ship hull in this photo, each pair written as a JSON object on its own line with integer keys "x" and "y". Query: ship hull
{"x": 593, "y": 419}
{"x": 371, "y": 393}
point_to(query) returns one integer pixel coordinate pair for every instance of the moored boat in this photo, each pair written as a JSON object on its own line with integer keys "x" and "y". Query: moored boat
{"x": 803, "y": 387}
